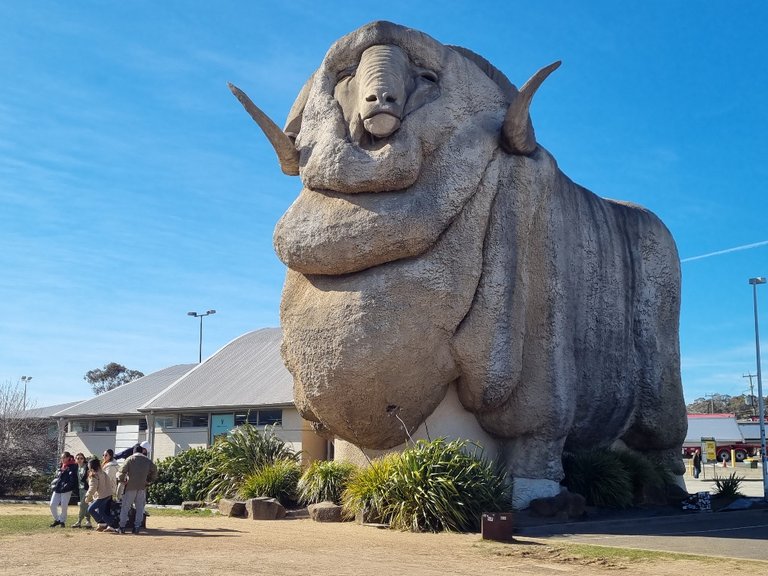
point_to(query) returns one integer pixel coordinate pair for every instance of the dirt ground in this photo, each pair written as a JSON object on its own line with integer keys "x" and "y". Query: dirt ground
{"x": 194, "y": 545}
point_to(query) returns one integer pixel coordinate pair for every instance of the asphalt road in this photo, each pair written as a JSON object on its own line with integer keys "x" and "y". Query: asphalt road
{"x": 737, "y": 534}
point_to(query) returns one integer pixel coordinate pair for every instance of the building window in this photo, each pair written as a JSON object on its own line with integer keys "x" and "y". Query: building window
{"x": 105, "y": 425}
{"x": 193, "y": 421}
{"x": 260, "y": 418}
{"x": 140, "y": 422}
{"x": 165, "y": 422}
{"x": 268, "y": 417}
{"x": 80, "y": 426}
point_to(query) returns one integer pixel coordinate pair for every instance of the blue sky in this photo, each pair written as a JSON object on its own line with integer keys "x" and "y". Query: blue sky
{"x": 134, "y": 188}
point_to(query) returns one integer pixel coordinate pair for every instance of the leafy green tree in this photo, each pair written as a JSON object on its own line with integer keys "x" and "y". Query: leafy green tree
{"x": 110, "y": 377}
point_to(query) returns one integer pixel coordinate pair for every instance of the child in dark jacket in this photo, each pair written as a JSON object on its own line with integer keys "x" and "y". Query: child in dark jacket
{"x": 64, "y": 483}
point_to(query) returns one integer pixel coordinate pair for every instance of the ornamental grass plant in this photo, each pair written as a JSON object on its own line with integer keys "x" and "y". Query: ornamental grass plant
{"x": 366, "y": 490}
{"x": 643, "y": 473}
{"x": 600, "y": 476}
{"x": 728, "y": 488}
{"x": 325, "y": 480}
{"x": 431, "y": 487}
{"x": 243, "y": 452}
{"x": 278, "y": 479}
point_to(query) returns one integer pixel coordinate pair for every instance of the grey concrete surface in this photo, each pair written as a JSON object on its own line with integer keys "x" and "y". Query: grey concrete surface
{"x": 734, "y": 534}
{"x": 742, "y": 534}
{"x": 752, "y": 484}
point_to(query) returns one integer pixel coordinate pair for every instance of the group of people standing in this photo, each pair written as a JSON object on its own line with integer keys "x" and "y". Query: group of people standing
{"x": 100, "y": 484}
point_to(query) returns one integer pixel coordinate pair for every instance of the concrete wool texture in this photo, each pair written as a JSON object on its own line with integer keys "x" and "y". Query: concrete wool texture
{"x": 432, "y": 256}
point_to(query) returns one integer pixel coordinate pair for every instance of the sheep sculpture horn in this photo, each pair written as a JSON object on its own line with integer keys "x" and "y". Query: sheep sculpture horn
{"x": 517, "y": 135}
{"x": 283, "y": 145}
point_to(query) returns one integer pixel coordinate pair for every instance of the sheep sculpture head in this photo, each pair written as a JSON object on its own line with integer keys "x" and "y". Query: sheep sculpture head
{"x": 436, "y": 244}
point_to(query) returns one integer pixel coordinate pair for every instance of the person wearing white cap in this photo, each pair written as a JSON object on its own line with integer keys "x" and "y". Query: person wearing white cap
{"x": 145, "y": 446}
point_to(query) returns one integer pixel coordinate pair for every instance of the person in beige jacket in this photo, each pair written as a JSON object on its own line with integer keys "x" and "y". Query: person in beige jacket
{"x": 99, "y": 493}
{"x": 136, "y": 473}
{"x": 110, "y": 468}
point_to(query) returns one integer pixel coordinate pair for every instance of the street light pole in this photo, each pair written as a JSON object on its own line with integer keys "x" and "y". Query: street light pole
{"x": 201, "y": 316}
{"x": 760, "y": 404}
{"x": 26, "y": 380}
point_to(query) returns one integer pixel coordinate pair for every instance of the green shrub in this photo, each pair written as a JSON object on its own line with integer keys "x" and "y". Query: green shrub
{"x": 431, "y": 487}
{"x": 599, "y": 475}
{"x": 728, "y": 487}
{"x": 39, "y": 484}
{"x": 185, "y": 476}
{"x": 325, "y": 480}
{"x": 278, "y": 479}
{"x": 643, "y": 473}
{"x": 244, "y": 451}
{"x": 367, "y": 488}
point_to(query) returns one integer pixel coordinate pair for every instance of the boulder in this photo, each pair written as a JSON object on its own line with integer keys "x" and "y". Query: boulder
{"x": 325, "y": 512}
{"x": 233, "y": 508}
{"x": 192, "y": 505}
{"x": 263, "y": 508}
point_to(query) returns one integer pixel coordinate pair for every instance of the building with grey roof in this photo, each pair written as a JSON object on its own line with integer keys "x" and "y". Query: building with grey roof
{"x": 189, "y": 405}
{"x": 48, "y": 411}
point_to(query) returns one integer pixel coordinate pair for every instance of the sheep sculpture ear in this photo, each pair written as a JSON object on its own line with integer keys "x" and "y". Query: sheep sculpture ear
{"x": 517, "y": 135}
{"x": 293, "y": 123}
{"x": 281, "y": 142}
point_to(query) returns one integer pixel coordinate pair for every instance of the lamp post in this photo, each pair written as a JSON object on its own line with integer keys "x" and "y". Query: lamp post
{"x": 25, "y": 380}
{"x": 760, "y": 404}
{"x": 201, "y": 316}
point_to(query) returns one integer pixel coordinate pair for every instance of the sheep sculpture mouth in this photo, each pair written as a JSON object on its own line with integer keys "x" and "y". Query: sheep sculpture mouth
{"x": 381, "y": 124}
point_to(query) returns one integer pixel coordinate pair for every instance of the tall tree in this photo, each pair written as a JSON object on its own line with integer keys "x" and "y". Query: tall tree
{"x": 110, "y": 377}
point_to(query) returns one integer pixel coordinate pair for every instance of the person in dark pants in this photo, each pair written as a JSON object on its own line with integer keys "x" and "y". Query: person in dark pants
{"x": 99, "y": 494}
{"x": 696, "y": 463}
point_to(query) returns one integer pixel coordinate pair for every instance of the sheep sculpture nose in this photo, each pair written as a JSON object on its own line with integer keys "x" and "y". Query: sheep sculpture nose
{"x": 383, "y": 72}
{"x": 381, "y": 97}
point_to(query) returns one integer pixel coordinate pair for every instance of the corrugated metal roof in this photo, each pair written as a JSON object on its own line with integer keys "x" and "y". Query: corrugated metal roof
{"x": 49, "y": 411}
{"x": 246, "y": 372}
{"x": 721, "y": 427}
{"x": 126, "y": 399}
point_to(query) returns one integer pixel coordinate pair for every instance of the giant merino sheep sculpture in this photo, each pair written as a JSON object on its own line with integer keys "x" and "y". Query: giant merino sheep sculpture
{"x": 435, "y": 243}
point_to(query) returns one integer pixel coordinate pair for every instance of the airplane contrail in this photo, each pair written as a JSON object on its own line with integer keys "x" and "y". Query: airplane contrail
{"x": 726, "y": 251}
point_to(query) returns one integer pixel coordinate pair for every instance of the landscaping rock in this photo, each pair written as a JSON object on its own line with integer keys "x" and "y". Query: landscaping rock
{"x": 233, "y": 508}
{"x": 264, "y": 508}
{"x": 192, "y": 505}
{"x": 296, "y": 514}
{"x": 325, "y": 512}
